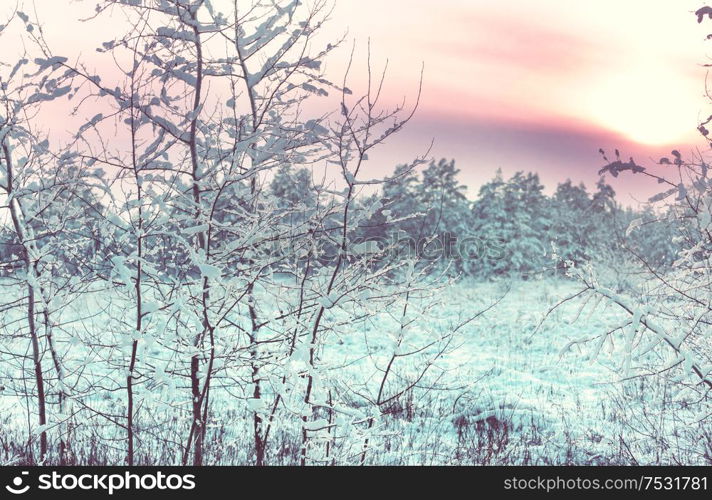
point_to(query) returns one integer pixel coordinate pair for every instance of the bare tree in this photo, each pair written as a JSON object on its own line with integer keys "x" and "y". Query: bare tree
{"x": 207, "y": 291}
{"x": 44, "y": 190}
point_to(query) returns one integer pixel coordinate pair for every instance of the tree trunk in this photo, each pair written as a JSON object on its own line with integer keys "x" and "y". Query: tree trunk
{"x": 18, "y": 224}
{"x": 39, "y": 377}
{"x": 197, "y": 403}
{"x": 130, "y": 406}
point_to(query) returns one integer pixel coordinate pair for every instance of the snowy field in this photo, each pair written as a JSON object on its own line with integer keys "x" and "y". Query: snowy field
{"x": 507, "y": 388}
{"x": 521, "y": 392}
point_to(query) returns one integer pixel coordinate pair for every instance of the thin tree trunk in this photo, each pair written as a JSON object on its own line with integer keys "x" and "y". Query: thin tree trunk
{"x": 17, "y": 216}
{"x": 61, "y": 395}
{"x": 198, "y": 430}
{"x": 39, "y": 377}
{"x": 130, "y": 406}
{"x": 197, "y": 426}
{"x": 257, "y": 388}
{"x": 130, "y": 430}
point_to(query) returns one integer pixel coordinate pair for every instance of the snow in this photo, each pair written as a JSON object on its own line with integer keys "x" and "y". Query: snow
{"x": 507, "y": 369}
{"x": 210, "y": 271}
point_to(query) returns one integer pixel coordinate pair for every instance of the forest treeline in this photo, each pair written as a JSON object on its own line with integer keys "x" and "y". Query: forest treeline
{"x": 512, "y": 227}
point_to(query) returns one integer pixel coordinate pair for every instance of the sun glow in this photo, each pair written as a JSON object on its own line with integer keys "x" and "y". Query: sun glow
{"x": 646, "y": 105}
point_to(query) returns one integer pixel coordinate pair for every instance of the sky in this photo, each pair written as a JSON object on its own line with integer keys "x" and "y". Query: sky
{"x": 517, "y": 85}
{"x": 542, "y": 85}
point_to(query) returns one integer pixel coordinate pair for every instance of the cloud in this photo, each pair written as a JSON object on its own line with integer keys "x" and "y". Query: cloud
{"x": 500, "y": 40}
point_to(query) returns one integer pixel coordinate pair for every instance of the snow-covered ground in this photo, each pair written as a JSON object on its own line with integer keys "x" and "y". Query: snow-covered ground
{"x": 521, "y": 363}
{"x": 508, "y": 388}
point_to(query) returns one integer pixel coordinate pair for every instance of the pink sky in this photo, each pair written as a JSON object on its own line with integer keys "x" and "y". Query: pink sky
{"x": 519, "y": 85}
{"x": 542, "y": 85}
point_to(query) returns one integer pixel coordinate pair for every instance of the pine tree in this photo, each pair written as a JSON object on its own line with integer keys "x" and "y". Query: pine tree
{"x": 512, "y": 220}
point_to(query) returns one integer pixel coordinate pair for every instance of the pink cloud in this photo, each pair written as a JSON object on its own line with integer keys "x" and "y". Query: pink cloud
{"x": 501, "y": 40}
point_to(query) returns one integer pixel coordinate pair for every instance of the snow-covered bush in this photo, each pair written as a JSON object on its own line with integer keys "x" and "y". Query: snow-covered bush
{"x": 212, "y": 281}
